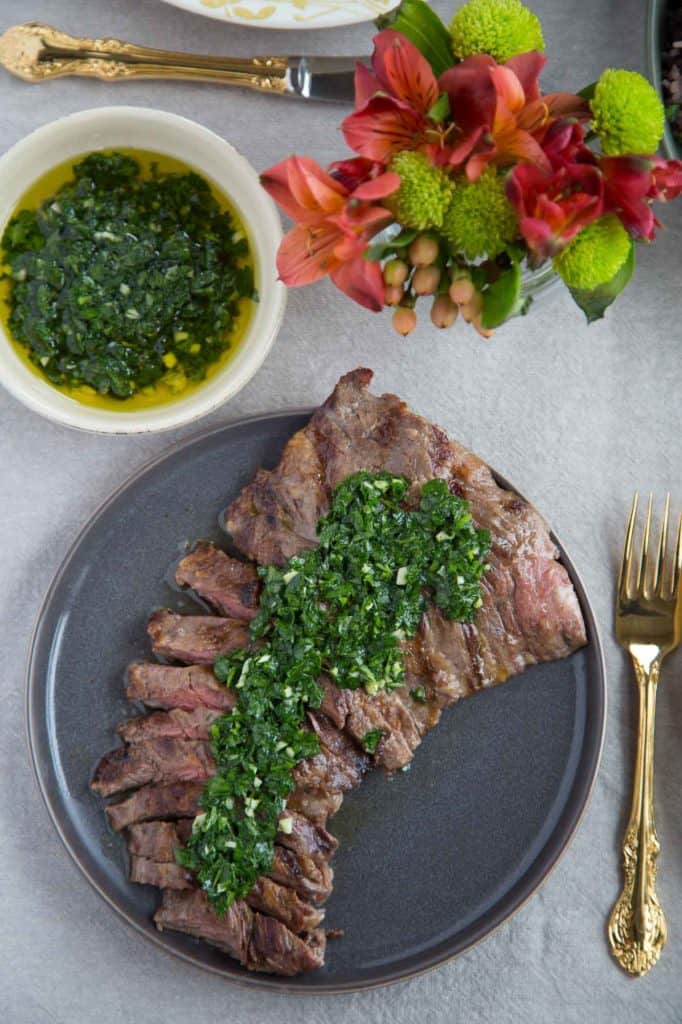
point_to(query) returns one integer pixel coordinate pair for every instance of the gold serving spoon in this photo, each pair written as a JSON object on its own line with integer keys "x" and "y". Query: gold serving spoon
{"x": 37, "y": 53}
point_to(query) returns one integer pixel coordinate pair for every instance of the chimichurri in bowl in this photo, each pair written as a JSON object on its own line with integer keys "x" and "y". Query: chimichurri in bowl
{"x": 139, "y": 289}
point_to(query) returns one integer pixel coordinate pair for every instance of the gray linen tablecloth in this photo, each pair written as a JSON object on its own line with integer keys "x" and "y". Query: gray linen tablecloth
{"x": 577, "y": 417}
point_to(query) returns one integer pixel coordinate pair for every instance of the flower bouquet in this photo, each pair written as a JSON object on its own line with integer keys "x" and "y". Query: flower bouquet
{"x": 467, "y": 175}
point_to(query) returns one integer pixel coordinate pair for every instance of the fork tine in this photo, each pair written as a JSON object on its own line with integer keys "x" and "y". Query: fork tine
{"x": 659, "y": 568}
{"x": 644, "y": 563}
{"x": 626, "y": 563}
{"x": 677, "y": 566}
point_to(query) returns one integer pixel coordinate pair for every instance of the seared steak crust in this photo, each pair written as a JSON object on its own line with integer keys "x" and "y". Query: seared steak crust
{"x": 177, "y": 800}
{"x": 176, "y": 724}
{"x": 229, "y": 586}
{"x": 195, "y": 639}
{"x": 164, "y": 875}
{"x": 153, "y": 760}
{"x": 260, "y": 943}
{"x": 174, "y": 686}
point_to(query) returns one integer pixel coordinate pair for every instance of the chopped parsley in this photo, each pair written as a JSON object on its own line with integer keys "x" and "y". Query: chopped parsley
{"x": 370, "y": 740}
{"x": 342, "y": 608}
{"x": 418, "y": 694}
{"x": 120, "y": 280}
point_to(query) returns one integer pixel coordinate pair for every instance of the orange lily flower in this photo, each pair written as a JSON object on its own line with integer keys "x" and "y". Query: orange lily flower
{"x": 500, "y": 113}
{"x": 334, "y": 226}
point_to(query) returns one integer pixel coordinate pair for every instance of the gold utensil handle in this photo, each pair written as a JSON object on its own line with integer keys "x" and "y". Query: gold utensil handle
{"x": 37, "y": 52}
{"x": 637, "y": 928}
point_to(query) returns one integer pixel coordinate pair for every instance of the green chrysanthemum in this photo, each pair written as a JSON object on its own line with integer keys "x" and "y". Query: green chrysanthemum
{"x": 480, "y": 220}
{"x": 424, "y": 193}
{"x": 595, "y": 255}
{"x": 502, "y": 28}
{"x": 628, "y": 113}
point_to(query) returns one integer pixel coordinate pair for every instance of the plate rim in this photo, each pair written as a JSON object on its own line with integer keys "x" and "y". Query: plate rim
{"x": 229, "y": 19}
{"x": 275, "y": 983}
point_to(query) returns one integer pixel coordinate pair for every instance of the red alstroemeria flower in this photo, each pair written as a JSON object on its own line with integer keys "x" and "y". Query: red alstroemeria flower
{"x": 392, "y": 101}
{"x": 499, "y": 113}
{"x": 627, "y": 183}
{"x": 553, "y": 207}
{"x": 666, "y": 179}
{"x": 563, "y": 143}
{"x": 354, "y": 172}
{"x": 632, "y": 183}
{"x": 334, "y": 225}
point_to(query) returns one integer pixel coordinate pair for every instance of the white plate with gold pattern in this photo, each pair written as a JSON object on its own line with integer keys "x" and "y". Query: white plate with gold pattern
{"x": 289, "y": 14}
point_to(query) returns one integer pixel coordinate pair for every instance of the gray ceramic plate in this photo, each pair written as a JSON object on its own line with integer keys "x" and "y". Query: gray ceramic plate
{"x": 431, "y": 861}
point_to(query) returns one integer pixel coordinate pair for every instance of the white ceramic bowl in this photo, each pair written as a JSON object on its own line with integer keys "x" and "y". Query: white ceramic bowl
{"x": 218, "y": 162}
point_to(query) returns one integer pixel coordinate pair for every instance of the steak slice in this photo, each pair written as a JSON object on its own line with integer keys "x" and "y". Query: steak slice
{"x": 308, "y": 840}
{"x": 172, "y": 686}
{"x": 154, "y": 760}
{"x": 191, "y": 912}
{"x": 195, "y": 639}
{"x": 310, "y": 880}
{"x": 260, "y": 943}
{"x": 228, "y": 585}
{"x": 315, "y": 804}
{"x": 175, "y": 724}
{"x": 285, "y": 905}
{"x": 276, "y": 950}
{"x": 162, "y": 874}
{"x": 177, "y": 800}
{"x": 154, "y": 840}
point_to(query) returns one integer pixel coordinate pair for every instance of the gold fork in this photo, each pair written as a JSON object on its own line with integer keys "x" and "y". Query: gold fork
{"x": 649, "y": 626}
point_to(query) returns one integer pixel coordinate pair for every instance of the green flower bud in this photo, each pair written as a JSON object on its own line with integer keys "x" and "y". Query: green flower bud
{"x": 628, "y": 113}
{"x": 502, "y": 28}
{"x": 480, "y": 220}
{"x": 595, "y": 255}
{"x": 424, "y": 192}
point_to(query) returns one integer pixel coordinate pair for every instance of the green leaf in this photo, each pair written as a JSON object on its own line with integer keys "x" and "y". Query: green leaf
{"x": 671, "y": 111}
{"x": 423, "y": 27}
{"x": 380, "y": 250}
{"x": 588, "y": 92}
{"x": 502, "y": 299}
{"x": 441, "y": 108}
{"x": 405, "y": 238}
{"x": 595, "y": 303}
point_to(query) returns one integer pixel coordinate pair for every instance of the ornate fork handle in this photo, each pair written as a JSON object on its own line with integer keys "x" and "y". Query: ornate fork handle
{"x": 637, "y": 928}
{"x": 37, "y": 52}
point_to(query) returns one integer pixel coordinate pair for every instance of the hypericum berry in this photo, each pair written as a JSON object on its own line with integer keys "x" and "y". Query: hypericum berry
{"x": 423, "y": 251}
{"x": 396, "y": 271}
{"x": 471, "y": 310}
{"x": 426, "y": 280}
{"x": 443, "y": 311}
{"x": 483, "y": 331}
{"x": 462, "y": 289}
{"x": 393, "y": 295}
{"x": 404, "y": 320}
